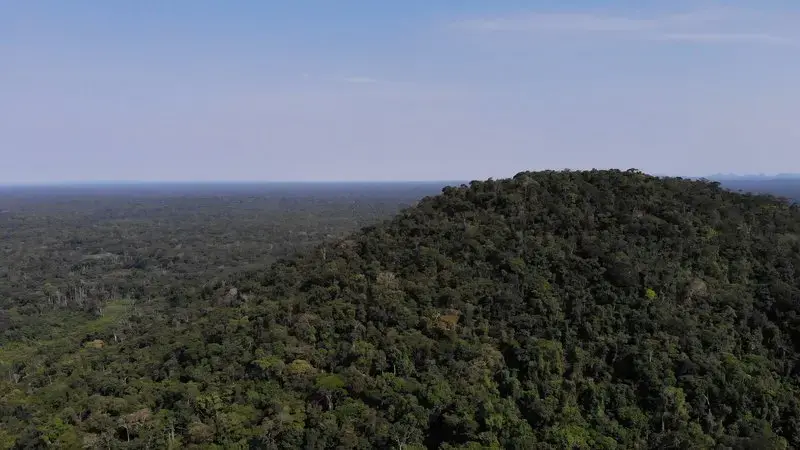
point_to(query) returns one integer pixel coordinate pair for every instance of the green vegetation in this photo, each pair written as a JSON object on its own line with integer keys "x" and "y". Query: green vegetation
{"x": 588, "y": 310}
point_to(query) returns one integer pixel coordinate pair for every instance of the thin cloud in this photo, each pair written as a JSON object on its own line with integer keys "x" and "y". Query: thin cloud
{"x": 360, "y": 80}
{"x": 753, "y": 38}
{"x": 556, "y": 22}
{"x": 339, "y": 79}
{"x": 716, "y": 26}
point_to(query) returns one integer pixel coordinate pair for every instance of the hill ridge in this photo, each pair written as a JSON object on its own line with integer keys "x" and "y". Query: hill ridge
{"x": 443, "y": 267}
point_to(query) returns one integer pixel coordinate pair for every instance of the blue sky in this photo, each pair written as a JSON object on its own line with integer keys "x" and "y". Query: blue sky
{"x": 414, "y": 90}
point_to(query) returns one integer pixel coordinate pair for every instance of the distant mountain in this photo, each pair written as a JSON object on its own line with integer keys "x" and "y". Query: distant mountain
{"x": 754, "y": 177}
{"x": 786, "y": 186}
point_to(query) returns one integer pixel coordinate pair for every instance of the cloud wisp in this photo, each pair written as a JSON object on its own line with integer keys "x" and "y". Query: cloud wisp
{"x": 712, "y": 27}
{"x": 353, "y": 79}
{"x": 360, "y": 80}
{"x": 754, "y": 38}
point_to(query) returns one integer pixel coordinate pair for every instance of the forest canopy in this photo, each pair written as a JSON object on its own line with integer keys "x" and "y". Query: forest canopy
{"x": 598, "y": 309}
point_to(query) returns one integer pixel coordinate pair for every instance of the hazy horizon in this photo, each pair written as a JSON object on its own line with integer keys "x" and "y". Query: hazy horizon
{"x": 122, "y": 183}
{"x": 222, "y": 182}
{"x": 315, "y": 91}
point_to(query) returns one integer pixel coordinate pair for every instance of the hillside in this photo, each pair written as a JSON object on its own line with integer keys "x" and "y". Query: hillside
{"x": 596, "y": 310}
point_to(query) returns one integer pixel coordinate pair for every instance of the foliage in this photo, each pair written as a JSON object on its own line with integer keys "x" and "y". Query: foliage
{"x": 596, "y": 309}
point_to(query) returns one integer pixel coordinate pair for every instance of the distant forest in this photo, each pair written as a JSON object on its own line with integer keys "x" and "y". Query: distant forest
{"x": 787, "y": 187}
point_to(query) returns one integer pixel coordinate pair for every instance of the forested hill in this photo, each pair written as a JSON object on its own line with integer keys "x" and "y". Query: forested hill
{"x": 590, "y": 310}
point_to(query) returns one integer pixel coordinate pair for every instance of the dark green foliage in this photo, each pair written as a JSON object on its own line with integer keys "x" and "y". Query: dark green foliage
{"x": 596, "y": 310}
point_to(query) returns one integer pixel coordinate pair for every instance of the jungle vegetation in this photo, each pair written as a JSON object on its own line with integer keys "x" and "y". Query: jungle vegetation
{"x": 599, "y": 309}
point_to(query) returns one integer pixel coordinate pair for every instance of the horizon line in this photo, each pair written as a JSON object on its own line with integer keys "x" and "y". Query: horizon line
{"x": 209, "y": 182}
{"x": 85, "y": 183}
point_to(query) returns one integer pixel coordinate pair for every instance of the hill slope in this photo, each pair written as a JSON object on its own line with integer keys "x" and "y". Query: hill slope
{"x": 600, "y": 309}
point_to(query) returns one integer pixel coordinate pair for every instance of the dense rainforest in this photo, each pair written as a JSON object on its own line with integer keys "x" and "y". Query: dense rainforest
{"x": 598, "y": 309}
{"x": 77, "y": 260}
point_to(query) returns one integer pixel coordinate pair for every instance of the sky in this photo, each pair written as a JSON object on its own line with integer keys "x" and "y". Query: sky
{"x": 345, "y": 90}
